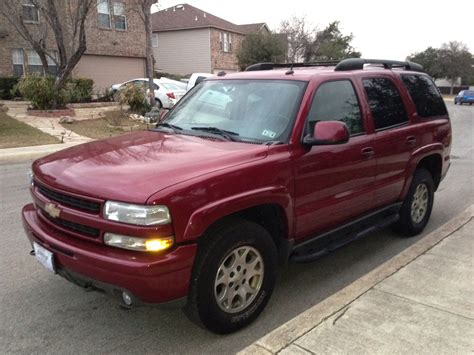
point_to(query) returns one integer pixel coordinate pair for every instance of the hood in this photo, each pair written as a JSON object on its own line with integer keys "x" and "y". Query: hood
{"x": 134, "y": 166}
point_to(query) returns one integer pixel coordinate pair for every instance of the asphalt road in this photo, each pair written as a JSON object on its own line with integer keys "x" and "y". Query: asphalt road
{"x": 43, "y": 313}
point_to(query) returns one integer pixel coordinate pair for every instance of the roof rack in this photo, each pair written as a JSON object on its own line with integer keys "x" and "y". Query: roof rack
{"x": 271, "y": 66}
{"x": 358, "y": 64}
{"x": 341, "y": 65}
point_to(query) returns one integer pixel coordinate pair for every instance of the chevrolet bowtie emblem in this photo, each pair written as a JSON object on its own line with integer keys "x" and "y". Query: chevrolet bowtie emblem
{"x": 52, "y": 210}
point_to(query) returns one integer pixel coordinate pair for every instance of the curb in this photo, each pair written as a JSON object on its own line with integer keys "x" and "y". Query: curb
{"x": 287, "y": 333}
{"x": 33, "y": 152}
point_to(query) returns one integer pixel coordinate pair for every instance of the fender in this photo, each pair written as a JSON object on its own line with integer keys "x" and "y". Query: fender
{"x": 418, "y": 155}
{"x": 205, "y": 216}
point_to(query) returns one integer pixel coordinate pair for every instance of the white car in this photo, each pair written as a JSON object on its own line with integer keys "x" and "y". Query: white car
{"x": 166, "y": 93}
{"x": 196, "y": 78}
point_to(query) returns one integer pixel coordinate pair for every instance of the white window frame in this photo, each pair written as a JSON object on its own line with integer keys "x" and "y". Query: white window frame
{"x": 225, "y": 41}
{"x": 121, "y": 14}
{"x": 154, "y": 40}
{"x": 99, "y": 3}
{"x": 29, "y": 4}
{"x": 20, "y": 54}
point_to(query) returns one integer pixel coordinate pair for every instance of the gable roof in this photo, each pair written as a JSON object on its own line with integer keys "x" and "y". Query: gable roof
{"x": 185, "y": 16}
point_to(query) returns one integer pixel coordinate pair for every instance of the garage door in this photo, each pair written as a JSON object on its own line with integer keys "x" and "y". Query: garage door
{"x": 106, "y": 71}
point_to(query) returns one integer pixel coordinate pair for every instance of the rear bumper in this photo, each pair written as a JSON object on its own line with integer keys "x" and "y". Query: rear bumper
{"x": 150, "y": 279}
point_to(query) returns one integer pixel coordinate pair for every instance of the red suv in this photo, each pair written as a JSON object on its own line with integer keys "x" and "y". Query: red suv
{"x": 277, "y": 163}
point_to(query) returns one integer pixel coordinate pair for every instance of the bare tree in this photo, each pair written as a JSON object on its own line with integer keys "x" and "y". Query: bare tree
{"x": 65, "y": 19}
{"x": 299, "y": 35}
{"x": 143, "y": 7}
{"x": 455, "y": 61}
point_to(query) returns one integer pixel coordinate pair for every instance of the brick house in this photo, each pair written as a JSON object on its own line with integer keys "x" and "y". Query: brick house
{"x": 115, "y": 45}
{"x": 188, "y": 40}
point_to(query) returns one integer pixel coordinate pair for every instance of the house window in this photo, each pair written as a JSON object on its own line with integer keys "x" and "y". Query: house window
{"x": 18, "y": 62}
{"x": 30, "y": 12}
{"x": 154, "y": 40}
{"x": 34, "y": 62}
{"x": 120, "y": 20}
{"x": 103, "y": 11}
{"x": 52, "y": 67}
{"x": 225, "y": 40}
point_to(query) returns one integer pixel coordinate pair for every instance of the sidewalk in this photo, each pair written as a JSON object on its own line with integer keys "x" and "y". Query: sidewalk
{"x": 420, "y": 302}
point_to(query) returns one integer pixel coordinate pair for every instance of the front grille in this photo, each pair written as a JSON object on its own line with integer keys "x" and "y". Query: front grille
{"x": 69, "y": 201}
{"x": 89, "y": 232}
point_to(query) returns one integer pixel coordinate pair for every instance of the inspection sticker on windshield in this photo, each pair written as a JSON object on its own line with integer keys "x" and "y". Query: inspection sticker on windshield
{"x": 268, "y": 133}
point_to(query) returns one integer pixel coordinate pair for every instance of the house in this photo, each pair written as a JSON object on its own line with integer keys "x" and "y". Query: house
{"x": 188, "y": 40}
{"x": 115, "y": 44}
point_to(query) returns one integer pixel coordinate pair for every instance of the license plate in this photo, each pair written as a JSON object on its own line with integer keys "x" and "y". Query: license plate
{"x": 45, "y": 257}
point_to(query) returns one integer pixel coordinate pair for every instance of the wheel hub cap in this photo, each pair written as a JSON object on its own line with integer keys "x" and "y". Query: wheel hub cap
{"x": 239, "y": 279}
{"x": 419, "y": 205}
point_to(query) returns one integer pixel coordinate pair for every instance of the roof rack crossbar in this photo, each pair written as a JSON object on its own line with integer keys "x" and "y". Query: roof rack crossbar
{"x": 358, "y": 64}
{"x": 271, "y": 66}
{"x": 341, "y": 65}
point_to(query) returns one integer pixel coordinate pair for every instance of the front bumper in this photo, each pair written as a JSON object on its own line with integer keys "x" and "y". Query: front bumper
{"x": 149, "y": 278}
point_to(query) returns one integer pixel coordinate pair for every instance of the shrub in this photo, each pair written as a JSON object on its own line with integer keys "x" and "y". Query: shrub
{"x": 79, "y": 90}
{"x": 7, "y": 85}
{"x": 39, "y": 89}
{"x": 135, "y": 97}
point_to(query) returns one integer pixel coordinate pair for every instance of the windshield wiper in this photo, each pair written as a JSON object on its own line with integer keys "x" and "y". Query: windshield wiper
{"x": 229, "y": 135}
{"x": 168, "y": 125}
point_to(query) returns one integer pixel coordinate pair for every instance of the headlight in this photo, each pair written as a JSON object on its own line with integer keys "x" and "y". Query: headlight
{"x": 139, "y": 244}
{"x": 137, "y": 214}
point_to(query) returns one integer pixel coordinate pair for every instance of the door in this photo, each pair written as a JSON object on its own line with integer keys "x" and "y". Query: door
{"x": 394, "y": 138}
{"x": 333, "y": 184}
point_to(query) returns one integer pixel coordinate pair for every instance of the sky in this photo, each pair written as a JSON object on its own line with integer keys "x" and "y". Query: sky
{"x": 381, "y": 29}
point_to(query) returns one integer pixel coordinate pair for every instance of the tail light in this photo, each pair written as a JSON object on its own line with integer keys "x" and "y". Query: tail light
{"x": 170, "y": 95}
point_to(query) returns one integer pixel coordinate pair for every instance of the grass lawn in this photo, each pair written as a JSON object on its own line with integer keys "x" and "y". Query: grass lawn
{"x": 113, "y": 124}
{"x": 14, "y": 133}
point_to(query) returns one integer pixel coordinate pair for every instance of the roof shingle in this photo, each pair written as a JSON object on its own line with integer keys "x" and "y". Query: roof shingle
{"x": 185, "y": 16}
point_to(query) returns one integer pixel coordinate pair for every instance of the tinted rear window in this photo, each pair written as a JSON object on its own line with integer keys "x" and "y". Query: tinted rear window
{"x": 385, "y": 103}
{"x": 425, "y": 95}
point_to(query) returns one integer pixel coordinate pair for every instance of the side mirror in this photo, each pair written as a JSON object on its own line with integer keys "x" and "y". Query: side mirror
{"x": 328, "y": 133}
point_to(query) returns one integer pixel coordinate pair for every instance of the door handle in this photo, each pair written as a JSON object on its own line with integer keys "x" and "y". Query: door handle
{"x": 367, "y": 153}
{"x": 411, "y": 141}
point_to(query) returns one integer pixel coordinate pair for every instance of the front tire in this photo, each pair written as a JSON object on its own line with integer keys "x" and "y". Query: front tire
{"x": 417, "y": 206}
{"x": 233, "y": 276}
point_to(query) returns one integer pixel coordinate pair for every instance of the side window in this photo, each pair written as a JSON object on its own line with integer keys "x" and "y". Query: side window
{"x": 425, "y": 95}
{"x": 385, "y": 103}
{"x": 336, "y": 101}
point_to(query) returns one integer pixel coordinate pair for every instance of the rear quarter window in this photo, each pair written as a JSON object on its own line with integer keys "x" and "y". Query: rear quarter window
{"x": 425, "y": 95}
{"x": 385, "y": 103}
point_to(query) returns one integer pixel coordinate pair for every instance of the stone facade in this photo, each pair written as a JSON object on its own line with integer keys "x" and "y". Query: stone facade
{"x": 221, "y": 60}
{"x": 108, "y": 42}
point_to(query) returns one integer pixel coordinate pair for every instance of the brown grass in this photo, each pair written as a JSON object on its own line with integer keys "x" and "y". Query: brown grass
{"x": 113, "y": 124}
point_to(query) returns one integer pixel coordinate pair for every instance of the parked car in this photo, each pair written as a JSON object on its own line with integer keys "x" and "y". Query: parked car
{"x": 197, "y": 78}
{"x": 172, "y": 87}
{"x": 166, "y": 95}
{"x": 252, "y": 169}
{"x": 180, "y": 84}
{"x": 464, "y": 97}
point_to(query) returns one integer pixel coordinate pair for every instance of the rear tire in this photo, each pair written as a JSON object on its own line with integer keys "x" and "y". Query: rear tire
{"x": 233, "y": 276}
{"x": 417, "y": 206}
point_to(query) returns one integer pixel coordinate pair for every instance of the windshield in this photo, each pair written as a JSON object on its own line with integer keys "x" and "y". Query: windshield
{"x": 252, "y": 110}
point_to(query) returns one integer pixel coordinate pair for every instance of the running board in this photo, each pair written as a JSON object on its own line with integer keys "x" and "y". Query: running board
{"x": 323, "y": 244}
